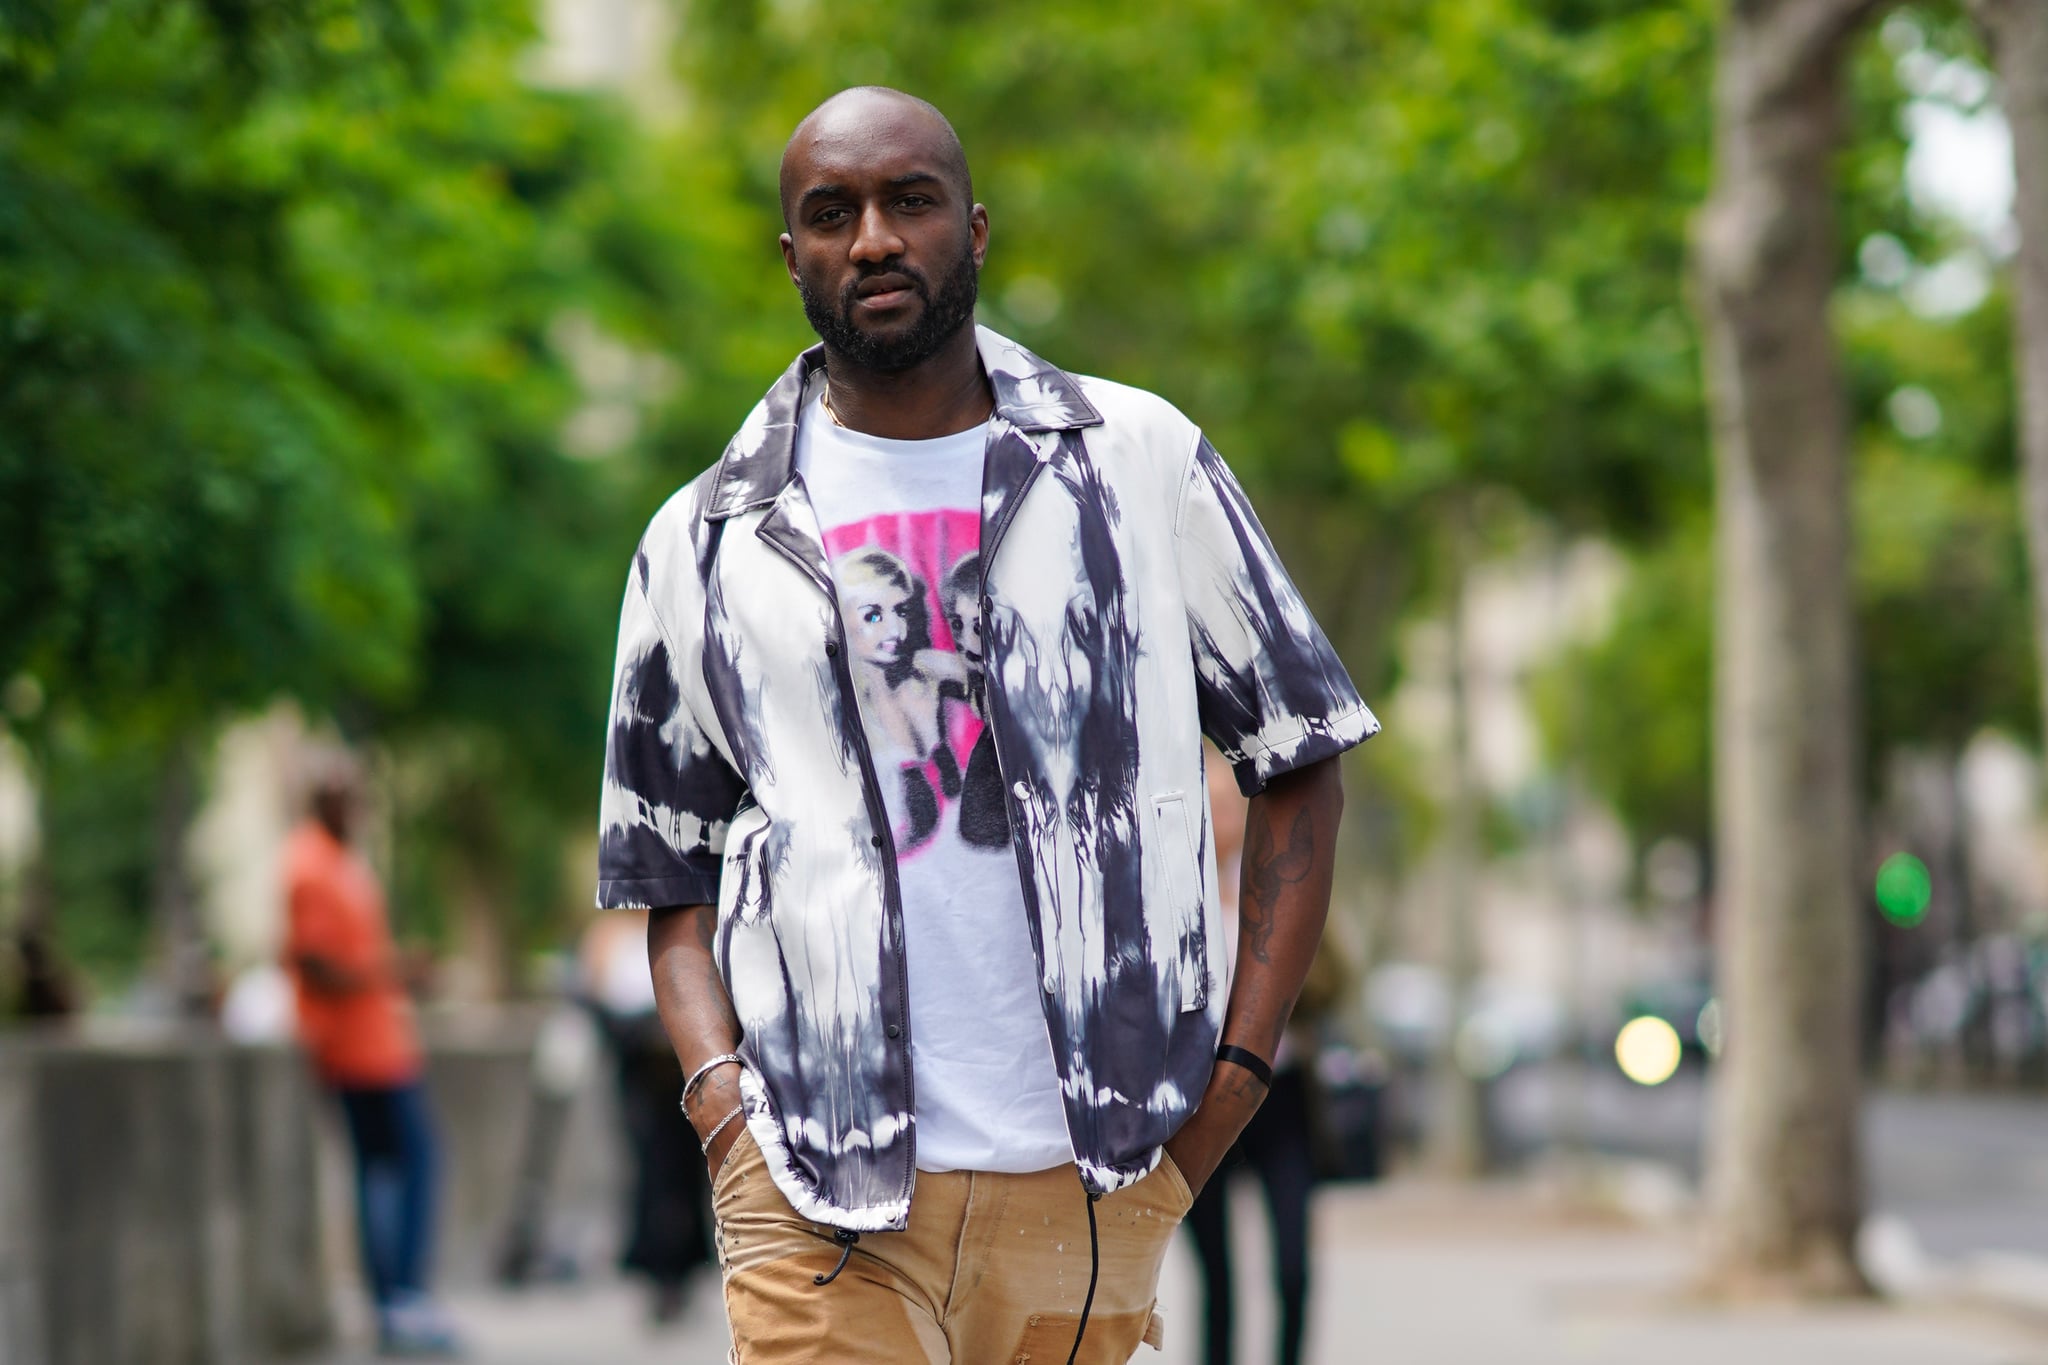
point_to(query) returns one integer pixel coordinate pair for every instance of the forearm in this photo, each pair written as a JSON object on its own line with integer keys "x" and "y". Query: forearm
{"x": 1289, "y": 855}
{"x": 1283, "y": 901}
{"x": 333, "y": 976}
{"x": 696, "y": 1012}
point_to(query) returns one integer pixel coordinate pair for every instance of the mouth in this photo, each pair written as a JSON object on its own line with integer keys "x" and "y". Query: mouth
{"x": 882, "y": 293}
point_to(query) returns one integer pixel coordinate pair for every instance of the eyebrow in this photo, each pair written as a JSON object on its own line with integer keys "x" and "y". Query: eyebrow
{"x": 817, "y": 192}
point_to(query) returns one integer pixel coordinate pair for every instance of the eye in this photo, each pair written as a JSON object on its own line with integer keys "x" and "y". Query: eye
{"x": 826, "y": 217}
{"x": 871, "y": 614}
{"x": 914, "y": 201}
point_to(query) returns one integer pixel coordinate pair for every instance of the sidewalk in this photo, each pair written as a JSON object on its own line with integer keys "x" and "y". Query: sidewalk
{"x": 1412, "y": 1275}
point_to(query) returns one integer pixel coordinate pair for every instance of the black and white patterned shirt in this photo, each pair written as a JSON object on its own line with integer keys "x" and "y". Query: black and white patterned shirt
{"x": 1130, "y": 603}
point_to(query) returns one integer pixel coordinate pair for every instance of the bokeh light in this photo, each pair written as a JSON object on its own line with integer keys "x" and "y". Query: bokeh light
{"x": 1484, "y": 1052}
{"x": 1904, "y": 890}
{"x": 1647, "y": 1049}
{"x": 1710, "y": 1027}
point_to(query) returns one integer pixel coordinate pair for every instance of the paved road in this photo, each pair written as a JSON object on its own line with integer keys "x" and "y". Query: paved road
{"x": 1407, "y": 1276}
{"x": 1969, "y": 1173}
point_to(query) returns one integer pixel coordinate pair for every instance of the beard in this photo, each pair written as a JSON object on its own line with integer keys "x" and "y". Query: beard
{"x": 944, "y": 314}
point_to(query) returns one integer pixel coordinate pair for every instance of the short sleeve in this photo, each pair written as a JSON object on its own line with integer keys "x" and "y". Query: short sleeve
{"x": 669, "y": 794}
{"x": 1273, "y": 695}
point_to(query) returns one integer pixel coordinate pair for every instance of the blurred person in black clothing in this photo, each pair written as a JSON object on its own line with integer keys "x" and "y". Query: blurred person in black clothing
{"x": 1278, "y": 1145}
{"x": 666, "y": 1239}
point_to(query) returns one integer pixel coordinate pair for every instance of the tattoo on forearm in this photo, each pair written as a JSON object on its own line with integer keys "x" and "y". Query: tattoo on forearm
{"x": 1269, "y": 869}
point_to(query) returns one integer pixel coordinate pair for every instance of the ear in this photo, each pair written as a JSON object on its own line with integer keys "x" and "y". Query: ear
{"x": 789, "y": 259}
{"x": 977, "y": 225}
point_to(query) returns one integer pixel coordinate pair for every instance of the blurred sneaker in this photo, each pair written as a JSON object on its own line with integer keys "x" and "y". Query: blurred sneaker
{"x": 418, "y": 1330}
{"x": 671, "y": 1297}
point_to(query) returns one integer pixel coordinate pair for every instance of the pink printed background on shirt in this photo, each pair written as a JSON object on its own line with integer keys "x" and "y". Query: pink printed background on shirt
{"x": 931, "y": 543}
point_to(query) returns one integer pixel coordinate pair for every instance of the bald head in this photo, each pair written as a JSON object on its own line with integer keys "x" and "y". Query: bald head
{"x": 885, "y": 241}
{"x": 858, "y": 126}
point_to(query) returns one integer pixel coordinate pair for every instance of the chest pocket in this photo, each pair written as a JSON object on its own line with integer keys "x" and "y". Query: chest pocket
{"x": 1171, "y": 840}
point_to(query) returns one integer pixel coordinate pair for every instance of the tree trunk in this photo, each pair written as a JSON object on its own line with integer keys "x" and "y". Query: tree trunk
{"x": 2017, "y": 31}
{"x": 1458, "y": 1134}
{"x": 1783, "y": 1178}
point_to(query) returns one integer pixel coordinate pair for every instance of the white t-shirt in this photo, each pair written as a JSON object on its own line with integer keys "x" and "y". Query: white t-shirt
{"x": 902, "y": 527}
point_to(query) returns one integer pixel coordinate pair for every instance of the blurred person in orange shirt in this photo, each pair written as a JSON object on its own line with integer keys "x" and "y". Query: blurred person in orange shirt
{"x": 357, "y": 1023}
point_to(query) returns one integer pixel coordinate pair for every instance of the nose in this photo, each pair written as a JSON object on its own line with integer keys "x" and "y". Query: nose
{"x": 876, "y": 242}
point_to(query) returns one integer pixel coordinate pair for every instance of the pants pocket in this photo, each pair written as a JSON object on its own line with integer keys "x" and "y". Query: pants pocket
{"x": 1174, "y": 850}
{"x": 1111, "y": 1338}
{"x": 743, "y": 1147}
{"x": 1183, "y": 1193}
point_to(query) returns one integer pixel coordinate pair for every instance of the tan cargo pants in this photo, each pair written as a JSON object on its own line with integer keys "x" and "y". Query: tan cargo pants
{"x": 992, "y": 1270}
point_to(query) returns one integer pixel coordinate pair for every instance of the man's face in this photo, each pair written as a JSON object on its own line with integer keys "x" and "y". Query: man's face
{"x": 883, "y": 245}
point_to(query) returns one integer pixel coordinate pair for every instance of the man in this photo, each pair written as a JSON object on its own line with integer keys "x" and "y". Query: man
{"x": 357, "y": 1023}
{"x": 956, "y": 1096}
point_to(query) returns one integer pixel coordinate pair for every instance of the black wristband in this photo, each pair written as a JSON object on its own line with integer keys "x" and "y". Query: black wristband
{"x": 1249, "y": 1060}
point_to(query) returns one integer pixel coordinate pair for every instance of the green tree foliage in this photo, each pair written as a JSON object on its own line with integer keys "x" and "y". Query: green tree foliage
{"x": 1940, "y": 573}
{"x": 1632, "y": 709}
{"x": 279, "y": 403}
{"x": 1940, "y": 578}
{"x": 1384, "y": 254}
{"x": 298, "y": 300}
{"x": 1941, "y": 565}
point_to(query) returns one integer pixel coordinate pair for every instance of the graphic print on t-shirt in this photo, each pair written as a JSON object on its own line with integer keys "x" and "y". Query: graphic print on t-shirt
{"x": 909, "y": 584}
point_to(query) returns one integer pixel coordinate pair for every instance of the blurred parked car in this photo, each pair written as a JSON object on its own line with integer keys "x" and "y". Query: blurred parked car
{"x": 1505, "y": 1025}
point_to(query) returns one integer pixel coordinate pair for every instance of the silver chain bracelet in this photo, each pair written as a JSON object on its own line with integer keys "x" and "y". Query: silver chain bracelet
{"x": 712, "y": 1136}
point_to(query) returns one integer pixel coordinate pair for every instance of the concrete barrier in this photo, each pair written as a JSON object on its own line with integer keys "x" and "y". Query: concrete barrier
{"x": 170, "y": 1199}
{"x": 158, "y": 1203}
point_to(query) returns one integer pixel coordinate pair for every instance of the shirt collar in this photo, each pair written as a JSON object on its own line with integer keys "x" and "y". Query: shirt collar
{"x": 1030, "y": 395}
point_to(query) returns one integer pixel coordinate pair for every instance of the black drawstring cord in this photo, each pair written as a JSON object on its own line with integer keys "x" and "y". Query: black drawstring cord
{"x": 1094, "y": 1269}
{"x": 846, "y": 1240}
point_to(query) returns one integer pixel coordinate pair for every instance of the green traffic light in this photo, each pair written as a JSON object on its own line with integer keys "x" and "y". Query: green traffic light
{"x": 1904, "y": 890}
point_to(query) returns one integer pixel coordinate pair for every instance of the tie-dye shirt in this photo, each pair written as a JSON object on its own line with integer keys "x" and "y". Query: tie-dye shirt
{"x": 902, "y": 528}
{"x": 1130, "y": 603}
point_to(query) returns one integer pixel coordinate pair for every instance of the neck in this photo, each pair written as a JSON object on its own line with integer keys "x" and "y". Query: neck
{"x": 944, "y": 395}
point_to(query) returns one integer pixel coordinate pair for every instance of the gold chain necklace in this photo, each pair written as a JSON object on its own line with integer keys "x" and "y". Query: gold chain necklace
{"x": 825, "y": 400}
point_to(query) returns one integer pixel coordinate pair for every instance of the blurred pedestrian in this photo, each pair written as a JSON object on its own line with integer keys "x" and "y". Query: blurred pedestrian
{"x": 357, "y": 1023}
{"x": 47, "y": 987}
{"x": 952, "y": 1011}
{"x": 1277, "y": 1145}
{"x": 666, "y": 1239}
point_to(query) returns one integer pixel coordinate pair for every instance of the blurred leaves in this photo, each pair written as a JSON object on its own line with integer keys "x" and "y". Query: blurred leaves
{"x": 304, "y": 305}
{"x": 279, "y": 408}
{"x": 1387, "y": 255}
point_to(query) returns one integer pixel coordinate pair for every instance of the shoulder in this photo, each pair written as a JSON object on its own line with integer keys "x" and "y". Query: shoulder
{"x": 1144, "y": 442}
{"x": 309, "y": 863}
{"x": 304, "y": 848}
{"x": 1131, "y": 411}
{"x": 675, "y": 548}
